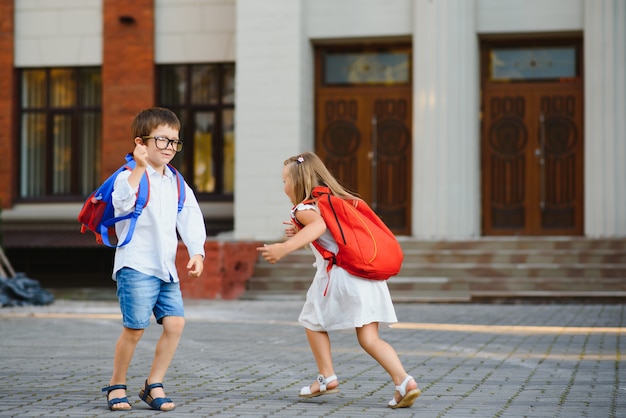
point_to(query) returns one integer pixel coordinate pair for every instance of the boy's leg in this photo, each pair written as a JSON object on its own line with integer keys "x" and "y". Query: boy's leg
{"x": 164, "y": 353}
{"x": 169, "y": 312}
{"x": 384, "y": 354}
{"x": 319, "y": 341}
{"x": 124, "y": 350}
{"x": 136, "y": 294}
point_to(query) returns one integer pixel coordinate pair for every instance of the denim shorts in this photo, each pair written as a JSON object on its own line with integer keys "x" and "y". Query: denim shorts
{"x": 141, "y": 295}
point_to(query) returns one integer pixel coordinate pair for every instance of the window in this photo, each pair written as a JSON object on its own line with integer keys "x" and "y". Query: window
{"x": 202, "y": 95}
{"x": 533, "y": 63}
{"x": 60, "y": 132}
{"x": 365, "y": 67}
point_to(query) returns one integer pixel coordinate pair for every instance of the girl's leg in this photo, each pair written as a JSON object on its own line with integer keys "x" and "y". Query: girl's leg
{"x": 319, "y": 342}
{"x": 384, "y": 354}
{"x": 124, "y": 350}
{"x": 164, "y": 353}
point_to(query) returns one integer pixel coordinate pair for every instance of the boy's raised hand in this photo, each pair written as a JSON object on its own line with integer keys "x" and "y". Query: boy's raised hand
{"x": 140, "y": 155}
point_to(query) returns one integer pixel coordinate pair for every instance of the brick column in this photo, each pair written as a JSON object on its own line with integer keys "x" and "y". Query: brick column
{"x": 7, "y": 104}
{"x": 127, "y": 74}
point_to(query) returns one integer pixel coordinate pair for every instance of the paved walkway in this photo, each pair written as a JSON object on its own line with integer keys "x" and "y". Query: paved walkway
{"x": 250, "y": 358}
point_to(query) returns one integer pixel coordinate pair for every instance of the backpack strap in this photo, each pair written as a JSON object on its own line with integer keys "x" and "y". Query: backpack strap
{"x": 143, "y": 196}
{"x": 323, "y": 192}
{"x": 180, "y": 182}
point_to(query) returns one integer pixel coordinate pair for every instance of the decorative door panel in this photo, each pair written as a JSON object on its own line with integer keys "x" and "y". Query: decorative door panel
{"x": 532, "y": 159}
{"x": 363, "y": 135}
{"x": 340, "y": 143}
{"x": 391, "y": 160}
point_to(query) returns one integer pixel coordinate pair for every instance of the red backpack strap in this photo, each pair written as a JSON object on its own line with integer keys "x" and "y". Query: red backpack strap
{"x": 323, "y": 251}
{"x": 320, "y": 192}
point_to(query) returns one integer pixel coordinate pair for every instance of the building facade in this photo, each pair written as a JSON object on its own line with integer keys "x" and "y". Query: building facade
{"x": 470, "y": 160}
{"x": 456, "y": 119}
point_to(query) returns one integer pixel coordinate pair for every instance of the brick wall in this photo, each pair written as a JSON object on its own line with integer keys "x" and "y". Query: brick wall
{"x": 227, "y": 268}
{"x": 7, "y": 100}
{"x": 127, "y": 75}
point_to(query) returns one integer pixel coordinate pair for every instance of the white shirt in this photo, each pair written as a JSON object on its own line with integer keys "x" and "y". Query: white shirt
{"x": 152, "y": 249}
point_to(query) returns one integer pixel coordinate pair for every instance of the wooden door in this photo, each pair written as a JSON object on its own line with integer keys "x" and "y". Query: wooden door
{"x": 532, "y": 159}
{"x": 363, "y": 135}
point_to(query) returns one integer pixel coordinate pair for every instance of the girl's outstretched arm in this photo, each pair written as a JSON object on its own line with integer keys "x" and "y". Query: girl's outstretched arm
{"x": 314, "y": 227}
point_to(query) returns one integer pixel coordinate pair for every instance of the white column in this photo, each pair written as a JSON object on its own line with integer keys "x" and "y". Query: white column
{"x": 446, "y": 152}
{"x": 605, "y": 118}
{"x": 273, "y": 111}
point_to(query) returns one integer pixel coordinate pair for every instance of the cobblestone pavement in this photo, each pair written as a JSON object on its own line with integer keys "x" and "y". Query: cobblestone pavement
{"x": 250, "y": 358}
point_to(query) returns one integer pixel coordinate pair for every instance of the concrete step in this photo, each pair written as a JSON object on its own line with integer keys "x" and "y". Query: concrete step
{"x": 466, "y": 270}
{"x": 516, "y": 256}
{"x": 516, "y": 243}
{"x": 419, "y": 289}
{"x": 277, "y": 284}
{"x": 524, "y": 270}
{"x": 482, "y": 269}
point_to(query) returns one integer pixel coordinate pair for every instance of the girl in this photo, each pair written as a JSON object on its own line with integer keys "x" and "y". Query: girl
{"x": 350, "y": 301}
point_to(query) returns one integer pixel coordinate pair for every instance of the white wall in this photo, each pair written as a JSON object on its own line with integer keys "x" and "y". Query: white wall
{"x": 191, "y": 31}
{"x": 525, "y": 16}
{"x": 446, "y": 137}
{"x": 358, "y": 18}
{"x": 69, "y": 32}
{"x": 272, "y": 111}
{"x": 275, "y": 91}
{"x": 58, "y": 33}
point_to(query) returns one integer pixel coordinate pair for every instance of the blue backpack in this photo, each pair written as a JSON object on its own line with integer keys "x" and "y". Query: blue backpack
{"x": 98, "y": 214}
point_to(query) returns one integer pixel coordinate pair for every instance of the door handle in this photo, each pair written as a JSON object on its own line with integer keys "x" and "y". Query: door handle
{"x": 373, "y": 156}
{"x": 541, "y": 154}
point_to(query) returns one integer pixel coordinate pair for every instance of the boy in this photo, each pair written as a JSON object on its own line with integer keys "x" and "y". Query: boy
{"x": 145, "y": 271}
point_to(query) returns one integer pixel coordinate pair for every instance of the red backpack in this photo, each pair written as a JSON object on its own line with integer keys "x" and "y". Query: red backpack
{"x": 367, "y": 248}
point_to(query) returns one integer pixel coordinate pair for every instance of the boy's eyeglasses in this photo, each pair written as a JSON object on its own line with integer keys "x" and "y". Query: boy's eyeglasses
{"x": 162, "y": 142}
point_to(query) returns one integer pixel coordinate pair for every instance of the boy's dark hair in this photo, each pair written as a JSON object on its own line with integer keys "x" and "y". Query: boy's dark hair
{"x": 148, "y": 120}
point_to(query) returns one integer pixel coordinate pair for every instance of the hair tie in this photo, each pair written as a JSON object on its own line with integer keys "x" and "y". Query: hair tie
{"x": 300, "y": 159}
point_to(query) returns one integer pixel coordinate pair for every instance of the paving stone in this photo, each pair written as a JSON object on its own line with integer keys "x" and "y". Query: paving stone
{"x": 250, "y": 359}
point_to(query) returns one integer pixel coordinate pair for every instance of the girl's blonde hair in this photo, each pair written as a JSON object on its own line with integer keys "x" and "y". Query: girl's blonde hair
{"x": 306, "y": 171}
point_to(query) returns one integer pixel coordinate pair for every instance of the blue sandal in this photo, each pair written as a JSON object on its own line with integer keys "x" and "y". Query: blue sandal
{"x": 116, "y": 401}
{"x": 155, "y": 403}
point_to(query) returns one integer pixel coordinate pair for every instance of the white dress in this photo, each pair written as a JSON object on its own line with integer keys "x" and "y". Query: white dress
{"x": 349, "y": 302}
